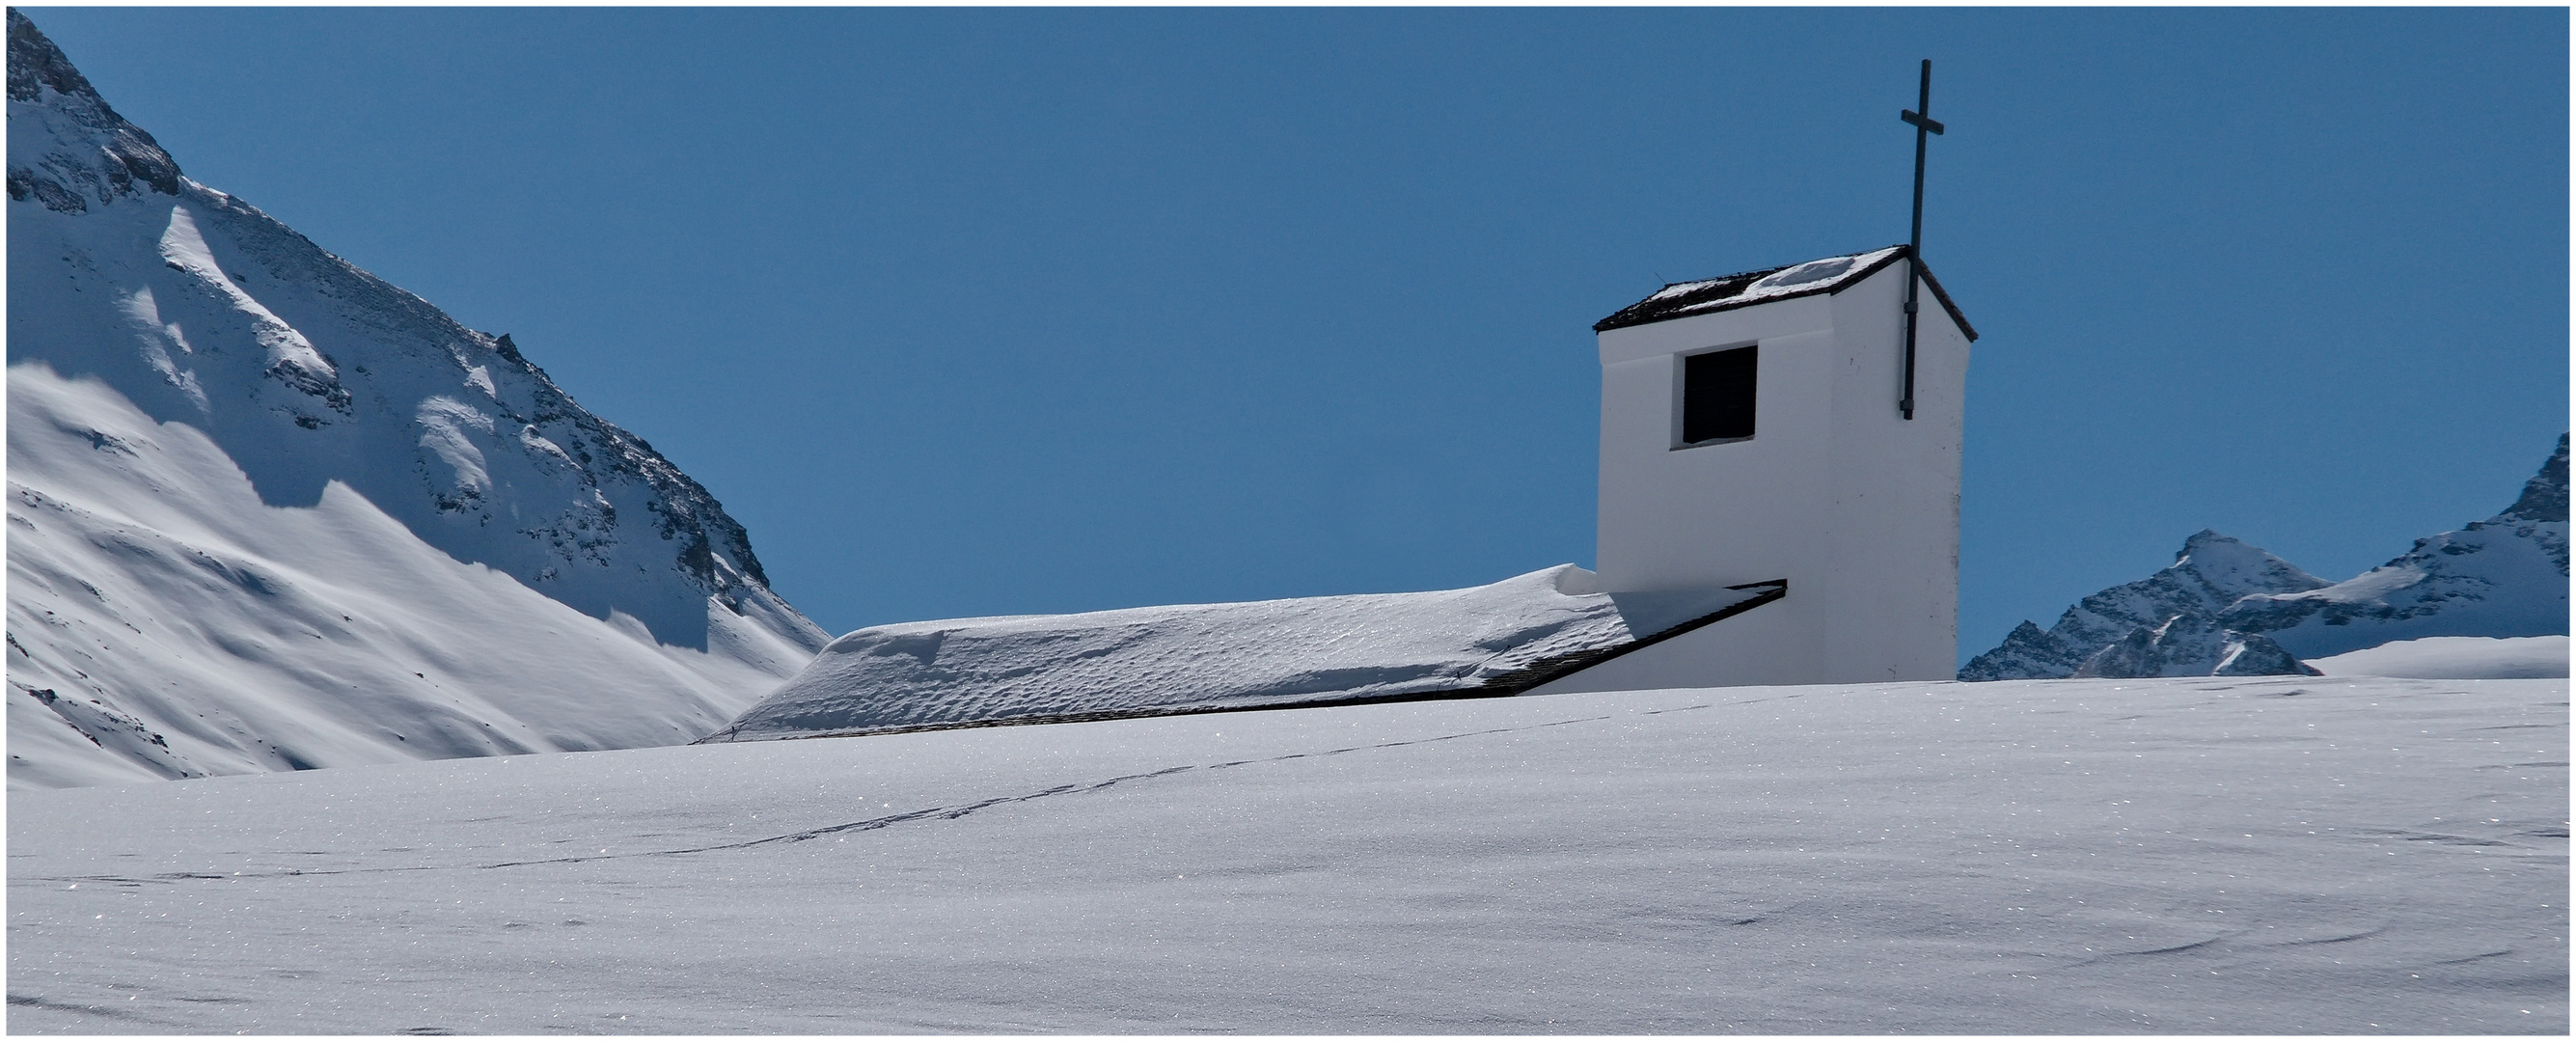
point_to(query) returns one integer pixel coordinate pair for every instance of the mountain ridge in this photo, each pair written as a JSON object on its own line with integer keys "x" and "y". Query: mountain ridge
{"x": 476, "y": 405}
{"x": 2482, "y": 580}
{"x": 155, "y": 320}
{"x": 2505, "y": 576}
{"x": 2210, "y": 572}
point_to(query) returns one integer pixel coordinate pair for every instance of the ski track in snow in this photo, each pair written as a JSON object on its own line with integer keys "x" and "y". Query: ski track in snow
{"x": 949, "y": 813}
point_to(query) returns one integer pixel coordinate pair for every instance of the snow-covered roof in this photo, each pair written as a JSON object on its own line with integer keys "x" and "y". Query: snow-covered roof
{"x": 1498, "y": 639}
{"x": 1824, "y": 275}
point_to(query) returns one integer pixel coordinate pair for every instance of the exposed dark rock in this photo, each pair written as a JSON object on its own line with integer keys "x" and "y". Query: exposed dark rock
{"x": 2505, "y": 576}
{"x": 514, "y": 454}
{"x": 2544, "y": 497}
{"x": 65, "y": 181}
{"x": 2191, "y": 646}
{"x": 2210, "y": 573}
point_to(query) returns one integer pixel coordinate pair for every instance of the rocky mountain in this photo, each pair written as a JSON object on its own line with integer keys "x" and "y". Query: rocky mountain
{"x": 2209, "y": 574}
{"x": 2505, "y": 576}
{"x": 2228, "y": 608}
{"x": 225, "y": 380}
{"x": 2190, "y": 645}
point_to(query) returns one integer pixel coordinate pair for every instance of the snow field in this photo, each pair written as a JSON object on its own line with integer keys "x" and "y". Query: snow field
{"x": 2273, "y": 855}
{"x": 2476, "y": 658}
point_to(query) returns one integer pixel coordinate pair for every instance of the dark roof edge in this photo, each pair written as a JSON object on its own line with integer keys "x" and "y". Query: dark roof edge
{"x": 1636, "y": 315}
{"x": 1943, "y": 296}
{"x": 1633, "y": 316}
{"x": 1558, "y": 667}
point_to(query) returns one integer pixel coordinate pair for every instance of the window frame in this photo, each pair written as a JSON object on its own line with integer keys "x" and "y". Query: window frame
{"x": 1681, "y": 394}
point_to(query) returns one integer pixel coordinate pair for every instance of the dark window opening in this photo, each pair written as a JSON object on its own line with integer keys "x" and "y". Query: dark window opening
{"x": 1717, "y": 396}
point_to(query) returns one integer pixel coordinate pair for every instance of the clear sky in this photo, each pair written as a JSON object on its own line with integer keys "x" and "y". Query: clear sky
{"x": 983, "y": 312}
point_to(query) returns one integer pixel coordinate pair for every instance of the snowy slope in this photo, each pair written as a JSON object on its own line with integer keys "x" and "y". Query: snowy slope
{"x": 2210, "y": 573}
{"x": 179, "y": 343}
{"x": 163, "y": 622}
{"x": 2505, "y": 576}
{"x": 1201, "y": 656}
{"x": 2256, "y": 856}
{"x": 2457, "y": 658}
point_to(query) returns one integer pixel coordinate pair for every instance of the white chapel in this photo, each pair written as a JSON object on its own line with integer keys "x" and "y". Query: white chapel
{"x": 1770, "y": 514}
{"x": 1752, "y": 431}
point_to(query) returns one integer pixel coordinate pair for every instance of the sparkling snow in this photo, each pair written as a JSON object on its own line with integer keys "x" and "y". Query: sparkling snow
{"x": 2277, "y": 855}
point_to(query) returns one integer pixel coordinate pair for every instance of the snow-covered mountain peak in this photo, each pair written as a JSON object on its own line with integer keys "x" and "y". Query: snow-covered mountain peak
{"x": 67, "y": 147}
{"x": 143, "y": 302}
{"x": 308, "y": 370}
{"x": 2209, "y": 573}
{"x": 2229, "y": 606}
{"x": 2228, "y": 568}
{"x": 2505, "y": 576}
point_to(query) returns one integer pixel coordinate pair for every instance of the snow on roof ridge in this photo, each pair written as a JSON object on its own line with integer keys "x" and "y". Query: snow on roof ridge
{"x": 1742, "y": 289}
{"x": 1501, "y": 638}
{"x": 1112, "y": 616}
{"x": 1677, "y": 288}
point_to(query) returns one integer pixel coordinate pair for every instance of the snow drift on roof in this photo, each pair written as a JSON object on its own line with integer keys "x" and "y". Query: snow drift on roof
{"x": 1499, "y": 639}
{"x": 1822, "y": 276}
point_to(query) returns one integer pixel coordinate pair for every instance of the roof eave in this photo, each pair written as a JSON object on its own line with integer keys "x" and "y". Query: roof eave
{"x": 1943, "y": 296}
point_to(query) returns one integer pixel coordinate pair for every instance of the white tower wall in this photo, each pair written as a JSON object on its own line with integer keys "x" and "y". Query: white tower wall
{"x": 1855, "y": 506}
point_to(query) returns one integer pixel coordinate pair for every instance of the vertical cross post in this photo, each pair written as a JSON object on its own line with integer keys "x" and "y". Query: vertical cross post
{"x": 1923, "y": 125}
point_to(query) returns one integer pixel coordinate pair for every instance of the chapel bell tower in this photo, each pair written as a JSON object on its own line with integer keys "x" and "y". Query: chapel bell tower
{"x": 1751, "y": 431}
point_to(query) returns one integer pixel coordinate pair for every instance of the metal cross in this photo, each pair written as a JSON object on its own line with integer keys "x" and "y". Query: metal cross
{"x": 1923, "y": 122}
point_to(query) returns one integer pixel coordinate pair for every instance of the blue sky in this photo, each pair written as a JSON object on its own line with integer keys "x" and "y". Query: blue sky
{"x": 976, "y": 312}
